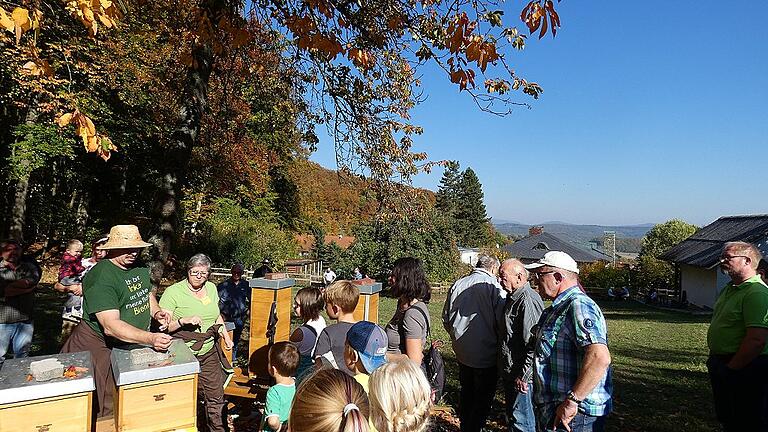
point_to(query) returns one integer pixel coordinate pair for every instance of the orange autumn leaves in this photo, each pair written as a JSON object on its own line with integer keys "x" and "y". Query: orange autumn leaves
{"x": 311, "y": 38}
{"x": 91, "y": 13}
{"x": 92, "y": 141}
{"x": 542, "y": 18}
{"x": 20, "y": 21}
{"x": 476, "y": 48}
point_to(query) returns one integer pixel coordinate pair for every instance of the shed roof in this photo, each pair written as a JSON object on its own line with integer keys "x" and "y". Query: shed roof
{"x": 703, "y": 248}
{"x": 535, "y": 246}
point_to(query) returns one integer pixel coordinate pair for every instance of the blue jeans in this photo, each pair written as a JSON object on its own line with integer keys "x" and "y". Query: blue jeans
{"x": 580, "y": 423}
{"x": 18, "y": 336}
{"x": 519, "y": 408}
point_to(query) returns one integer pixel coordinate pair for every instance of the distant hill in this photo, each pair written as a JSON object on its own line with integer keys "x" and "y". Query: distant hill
{"x": 581, "y": 235}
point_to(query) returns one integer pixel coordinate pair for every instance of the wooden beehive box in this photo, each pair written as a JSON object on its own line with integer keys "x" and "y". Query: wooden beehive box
{"x": 152, "y": 398}
{"x": 265, "y": 293}
{"x": 62, "y": 404}
{"x": 368, "y": 306}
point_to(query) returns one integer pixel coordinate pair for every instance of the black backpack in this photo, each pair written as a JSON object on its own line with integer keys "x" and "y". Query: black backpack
{"x": 432, "y": 364}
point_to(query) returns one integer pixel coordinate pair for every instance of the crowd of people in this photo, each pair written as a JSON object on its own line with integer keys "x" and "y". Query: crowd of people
{"x": 347, "y": 375}
{"x": 554, "y": 363}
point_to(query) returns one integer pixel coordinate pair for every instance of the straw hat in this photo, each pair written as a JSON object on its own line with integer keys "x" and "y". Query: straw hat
{"x": 124, "y": 237}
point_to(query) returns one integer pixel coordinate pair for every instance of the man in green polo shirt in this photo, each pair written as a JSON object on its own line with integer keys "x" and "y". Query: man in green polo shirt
{"x": 738, "y": 354}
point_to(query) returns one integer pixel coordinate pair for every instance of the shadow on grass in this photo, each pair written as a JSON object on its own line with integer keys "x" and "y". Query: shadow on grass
{"x": 652, "y": 394}
{"x": 47, "y": 318}
{"x": 634, "y": 311}
{"x": 659, "y": 355}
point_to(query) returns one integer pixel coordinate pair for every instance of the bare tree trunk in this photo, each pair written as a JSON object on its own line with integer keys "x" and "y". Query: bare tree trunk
{"x": 19, "y": 209}
{"x": 167, "y": 215}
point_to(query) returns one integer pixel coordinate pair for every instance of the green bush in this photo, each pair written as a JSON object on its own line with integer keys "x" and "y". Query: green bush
{"x": 379, "y": 243}
{"x": 234, "y": 234}
{"x": 599, "y": 276}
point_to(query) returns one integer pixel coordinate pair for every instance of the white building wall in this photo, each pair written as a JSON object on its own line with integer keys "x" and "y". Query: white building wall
{"x": 700, "y": 284}
{"x": 469, "y": 256}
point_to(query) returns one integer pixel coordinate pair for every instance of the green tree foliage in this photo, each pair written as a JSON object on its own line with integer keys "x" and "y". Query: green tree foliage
{"x": 319, "y": 248}
{"x": 460, "y": 200}
{"x": 654, "y": 272}
{"x": 233, "y": 234}
{"x": 472, "y": 222}
{"x": 427, "y": 236}
{"x": 447, "y": 199}
{"x": 601, "y": 276}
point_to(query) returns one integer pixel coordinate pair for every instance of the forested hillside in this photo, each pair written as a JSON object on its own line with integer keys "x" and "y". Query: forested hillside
{"x": 336, "y": 201}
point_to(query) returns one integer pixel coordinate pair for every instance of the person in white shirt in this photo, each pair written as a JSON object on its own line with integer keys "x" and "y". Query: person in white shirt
{"x": 329, "y": 276}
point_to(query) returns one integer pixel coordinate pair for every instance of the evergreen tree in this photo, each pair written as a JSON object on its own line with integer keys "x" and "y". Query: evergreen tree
{"x": 447, "y": 193}
{"x": 472, "y": 222}
{"x": 319, "y": 249}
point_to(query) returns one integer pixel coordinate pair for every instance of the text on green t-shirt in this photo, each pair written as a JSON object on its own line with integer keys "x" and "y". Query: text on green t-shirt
{"x": 109, "y": 287}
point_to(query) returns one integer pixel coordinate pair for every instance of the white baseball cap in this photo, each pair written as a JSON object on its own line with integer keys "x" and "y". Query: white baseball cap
{"x": 555, "y": 259}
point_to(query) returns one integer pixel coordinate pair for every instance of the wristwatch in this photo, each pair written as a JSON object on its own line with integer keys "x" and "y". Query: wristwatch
{"x": 572, "y": 397}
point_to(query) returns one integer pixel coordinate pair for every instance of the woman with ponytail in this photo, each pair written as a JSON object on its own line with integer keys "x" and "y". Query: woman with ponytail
{"x": 400, "y": 397}
{"x": 329, "y": 401}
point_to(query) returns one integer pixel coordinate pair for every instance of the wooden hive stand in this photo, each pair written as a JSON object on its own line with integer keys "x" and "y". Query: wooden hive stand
{"x": 270, "y": 296}
{"x": 61, "y": 404}
{"x": 152, "y": 398}
{"x": 368, "y": 306}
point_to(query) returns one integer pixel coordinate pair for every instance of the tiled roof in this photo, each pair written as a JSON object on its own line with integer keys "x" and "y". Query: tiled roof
{"x": 306, "y": 241}
{"x": 534, "y": 247}
{"x": 703, "y": 248}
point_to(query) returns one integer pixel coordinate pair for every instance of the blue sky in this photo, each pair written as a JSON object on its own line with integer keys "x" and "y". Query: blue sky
{"x": 651, "y": 110}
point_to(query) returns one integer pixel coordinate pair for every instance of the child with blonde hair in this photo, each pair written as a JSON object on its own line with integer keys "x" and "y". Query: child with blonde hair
{"x": 340, "y": 302}
{"x": 329, "y": 400}
{"x": 400, "y": 397}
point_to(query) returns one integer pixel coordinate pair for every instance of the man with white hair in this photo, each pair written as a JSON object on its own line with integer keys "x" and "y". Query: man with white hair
{"x": 522, "y": 311}
{"x": 572, "y": 378}
{"x": 470, "y": 316}
{"x": 738, "y": 353}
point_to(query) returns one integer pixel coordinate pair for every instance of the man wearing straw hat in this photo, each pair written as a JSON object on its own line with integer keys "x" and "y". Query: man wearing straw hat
{"x": 118, "y": 308}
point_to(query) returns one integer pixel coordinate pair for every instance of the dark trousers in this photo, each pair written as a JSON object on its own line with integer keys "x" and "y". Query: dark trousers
{"x": 741, "y": 397}
{"x": 210, "y": 387}
{"x": 478, "y": 387}
{"x": 83, "y": 338}
{"x": 236, "y": 333}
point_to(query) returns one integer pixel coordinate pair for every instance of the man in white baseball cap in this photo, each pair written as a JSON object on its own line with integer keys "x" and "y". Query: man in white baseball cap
{"x": 571, "y": 336}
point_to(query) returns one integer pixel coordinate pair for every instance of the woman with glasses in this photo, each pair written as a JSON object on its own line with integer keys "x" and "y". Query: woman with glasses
{"x": 194, "y": 305}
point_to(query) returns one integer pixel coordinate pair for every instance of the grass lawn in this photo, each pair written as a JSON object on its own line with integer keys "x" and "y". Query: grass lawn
{"x": 660, "y": 381}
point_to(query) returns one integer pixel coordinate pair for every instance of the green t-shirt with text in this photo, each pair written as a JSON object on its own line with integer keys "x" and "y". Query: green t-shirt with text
{"x": 178, "y": 299}
{"x": 737, "y": 308}
{"x": 108, "y": 287}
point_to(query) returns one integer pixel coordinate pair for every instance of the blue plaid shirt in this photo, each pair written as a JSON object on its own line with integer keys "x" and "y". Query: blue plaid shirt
{"x": 573, "y": 322}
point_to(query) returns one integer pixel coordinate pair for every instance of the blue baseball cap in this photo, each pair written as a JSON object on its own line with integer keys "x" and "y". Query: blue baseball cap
{"x": 370, "y": 342}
